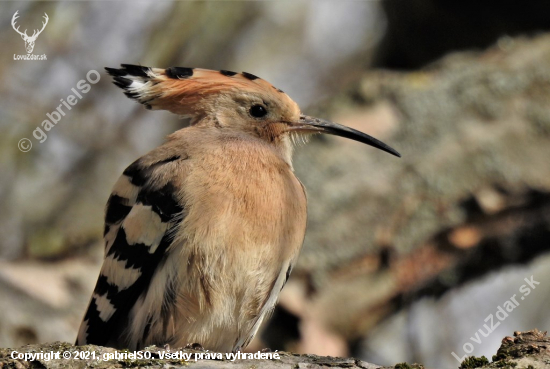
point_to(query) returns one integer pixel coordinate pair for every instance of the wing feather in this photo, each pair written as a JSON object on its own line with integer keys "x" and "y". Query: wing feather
{"x": 140, "y": 217}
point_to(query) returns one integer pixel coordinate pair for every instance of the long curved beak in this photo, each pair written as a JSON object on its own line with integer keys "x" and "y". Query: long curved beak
{"x": 316, "y": 125}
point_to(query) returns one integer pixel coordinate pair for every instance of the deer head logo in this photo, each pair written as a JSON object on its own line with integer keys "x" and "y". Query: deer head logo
{"x": 29, "y": 40}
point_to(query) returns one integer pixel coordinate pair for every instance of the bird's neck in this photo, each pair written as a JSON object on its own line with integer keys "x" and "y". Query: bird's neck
{"x": 285, "y": 149}
{"x": 248, "y": 144}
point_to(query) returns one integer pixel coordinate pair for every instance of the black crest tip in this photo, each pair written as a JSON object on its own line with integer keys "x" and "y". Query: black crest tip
{"x": 136, "y": 70}
{"x": 122, "y": 82}
{"x": 250, "y": 76}
{"x": 131, "y": 95}
{"x": 179, "y": 72}
{"x": 116, "y": 72}
{"x": 227, "y": 73}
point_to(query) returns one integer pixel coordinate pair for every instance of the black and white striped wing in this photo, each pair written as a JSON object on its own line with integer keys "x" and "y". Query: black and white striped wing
{"x": 141, "y": 216}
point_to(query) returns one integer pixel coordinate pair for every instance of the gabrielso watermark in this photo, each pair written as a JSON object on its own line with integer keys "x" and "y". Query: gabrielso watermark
{"x": 501, "y": 314}
{"x": 29, "y": 40}
{"x": 82, "y": 87}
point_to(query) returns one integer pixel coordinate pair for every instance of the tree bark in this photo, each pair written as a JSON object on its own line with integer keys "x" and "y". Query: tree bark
{"x": 470, "y": 195}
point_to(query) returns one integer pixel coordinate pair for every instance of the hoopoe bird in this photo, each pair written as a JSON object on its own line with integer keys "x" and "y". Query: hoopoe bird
{"x": 202, "y": 233}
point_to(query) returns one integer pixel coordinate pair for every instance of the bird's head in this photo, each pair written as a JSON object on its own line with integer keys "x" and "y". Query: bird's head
{"x": 238, "y": 102}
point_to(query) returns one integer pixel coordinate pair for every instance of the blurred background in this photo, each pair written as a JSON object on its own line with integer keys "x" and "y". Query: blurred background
{"x": 404, "y": 259}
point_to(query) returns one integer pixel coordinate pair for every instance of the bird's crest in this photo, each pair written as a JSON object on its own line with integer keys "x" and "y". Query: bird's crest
{"x": 185, "y": 91}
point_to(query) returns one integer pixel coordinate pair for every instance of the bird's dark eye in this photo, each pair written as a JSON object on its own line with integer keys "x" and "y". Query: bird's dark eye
{"x": 258, "y": 111}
